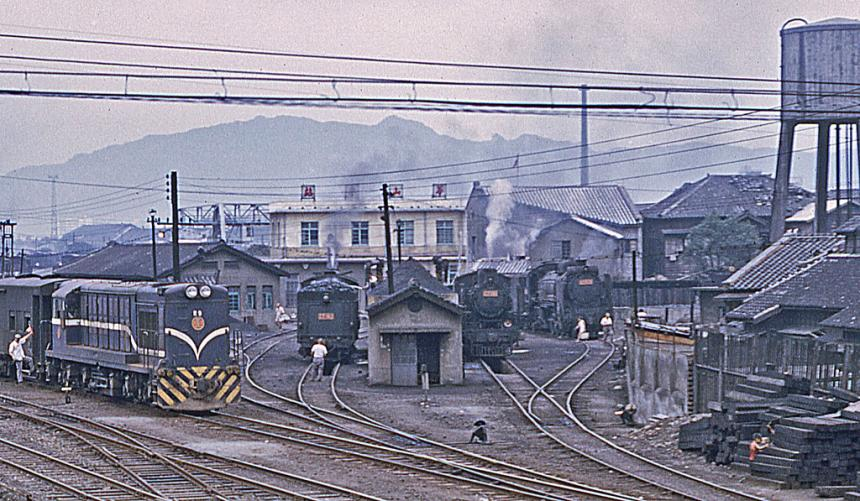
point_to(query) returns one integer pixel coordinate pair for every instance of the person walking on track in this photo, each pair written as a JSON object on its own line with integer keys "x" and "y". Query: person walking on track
{"x": 606, "y": 324}
{"x": 16, "y": 351}
{"x": 318, "y": 352}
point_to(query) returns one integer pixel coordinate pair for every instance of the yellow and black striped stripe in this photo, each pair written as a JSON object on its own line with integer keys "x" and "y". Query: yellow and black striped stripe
{"x": 197, "y": 388}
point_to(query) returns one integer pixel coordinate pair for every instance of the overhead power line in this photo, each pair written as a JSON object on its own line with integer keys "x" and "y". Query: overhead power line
{"x": 188, "y": 47}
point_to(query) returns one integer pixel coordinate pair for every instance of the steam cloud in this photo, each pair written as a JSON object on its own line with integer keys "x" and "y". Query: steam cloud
{"x": 499, "y": 210}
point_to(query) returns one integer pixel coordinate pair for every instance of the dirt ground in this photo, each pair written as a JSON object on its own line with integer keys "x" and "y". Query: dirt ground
{"x": 444, "y": 413}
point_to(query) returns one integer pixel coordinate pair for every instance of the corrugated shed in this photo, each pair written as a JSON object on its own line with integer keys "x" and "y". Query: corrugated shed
{"x": 598, "y": 203}
{"x": 505, "y": 266}
{"x": 726, "y": 195}
{"x": 831, "y": 283}
{"x": 782, "y": 259}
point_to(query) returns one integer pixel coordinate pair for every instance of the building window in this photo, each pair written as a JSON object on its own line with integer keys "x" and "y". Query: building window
{"x": 268, "y": 297}
{"x": 406, "y": 232}
{"x": 310, "y": 233}
{"x": 673, "y": 246}
{"x": 251, "y": 297}
{"x": 445, "y": 232}
{"x": 233, "y": 297}
{"x": 561, "y": 249}
{"x": 360, "y": 233}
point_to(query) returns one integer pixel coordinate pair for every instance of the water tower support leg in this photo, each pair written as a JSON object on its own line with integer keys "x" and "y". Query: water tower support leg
{"x": 821, "y": 168}
{"x": 783, "y": 174}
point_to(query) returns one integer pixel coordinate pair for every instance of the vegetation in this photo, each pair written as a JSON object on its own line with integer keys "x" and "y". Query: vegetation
{"x": 720, "y": 243}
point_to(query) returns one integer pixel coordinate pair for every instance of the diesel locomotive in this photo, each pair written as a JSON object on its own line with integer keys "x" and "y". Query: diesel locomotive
{"x": 166, "y": 344}
{"x": 327, "y": 308}
{"x": 491, "y": 325}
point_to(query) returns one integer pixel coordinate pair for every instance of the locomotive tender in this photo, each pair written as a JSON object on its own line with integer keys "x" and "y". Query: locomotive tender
{"x": 168, "y": 344}
{"x": 327, "y": 309}
{"x": 490, "y": 325}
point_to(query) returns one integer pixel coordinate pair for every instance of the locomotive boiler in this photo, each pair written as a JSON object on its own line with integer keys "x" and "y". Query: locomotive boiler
{"x": 490, "y": 325}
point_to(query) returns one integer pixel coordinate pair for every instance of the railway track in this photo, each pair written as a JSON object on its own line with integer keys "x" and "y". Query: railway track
{"x": 549, "y": 407}
{"x": 359, "y": 436}
{"x": 117, "y": 463}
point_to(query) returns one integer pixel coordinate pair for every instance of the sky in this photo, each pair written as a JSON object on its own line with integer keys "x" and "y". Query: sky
{"x": 711, "y": 37}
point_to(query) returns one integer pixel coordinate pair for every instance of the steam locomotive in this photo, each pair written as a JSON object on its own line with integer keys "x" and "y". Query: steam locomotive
{"x": 327, "y": 309}
{"x": 167, "y": 344}
{"x": 563, "y": 291}
{"x": 490, "y": 325}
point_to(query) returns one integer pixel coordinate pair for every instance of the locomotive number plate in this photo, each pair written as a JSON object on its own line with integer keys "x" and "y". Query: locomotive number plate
{"x": 585, "y": 281}
{"x": 490, "y": 293}
{"x": 325, "y": 316}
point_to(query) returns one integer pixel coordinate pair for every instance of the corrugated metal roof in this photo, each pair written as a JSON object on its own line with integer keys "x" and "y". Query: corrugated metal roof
{"x": 505, "y": 266}
{"x": 783, "y": 258}
{"x": 726, "y": 195}
{"x": 599, "y": 203}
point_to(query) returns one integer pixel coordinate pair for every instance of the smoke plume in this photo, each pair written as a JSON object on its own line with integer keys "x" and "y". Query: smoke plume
{"x": 499, "y": 210}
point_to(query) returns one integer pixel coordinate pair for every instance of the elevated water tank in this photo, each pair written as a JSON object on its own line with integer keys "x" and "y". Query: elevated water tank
{"x": 820, "y": 60}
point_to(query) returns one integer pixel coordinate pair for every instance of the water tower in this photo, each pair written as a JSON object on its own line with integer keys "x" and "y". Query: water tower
{"x": 821, "y": 86}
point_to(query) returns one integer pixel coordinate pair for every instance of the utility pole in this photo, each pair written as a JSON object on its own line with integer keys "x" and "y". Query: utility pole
{"x": 7, "y": 245}
{"x": 635, "y": 291}
{"x": 387, "y": 220}
{"x": 583, "y": 138}
{"x": 174, "y": 229}
{"x": 152, "y": 220}
{"x": 55, "y": 219}
{"x": 399, "y": 231}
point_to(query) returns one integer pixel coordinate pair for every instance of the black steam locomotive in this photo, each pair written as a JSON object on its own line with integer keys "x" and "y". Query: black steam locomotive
{"x": 564, "y": 291}
{"x": 490, "y": 325}
{"x": 168, "y": 344}
{"x": 327, "y": 309}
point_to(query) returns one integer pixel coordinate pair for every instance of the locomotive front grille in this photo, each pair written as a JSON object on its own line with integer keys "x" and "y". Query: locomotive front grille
{"x": 197, "y": 388}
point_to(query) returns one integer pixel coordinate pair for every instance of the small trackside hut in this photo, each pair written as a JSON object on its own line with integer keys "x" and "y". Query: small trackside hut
{"x": 411, "y": 331}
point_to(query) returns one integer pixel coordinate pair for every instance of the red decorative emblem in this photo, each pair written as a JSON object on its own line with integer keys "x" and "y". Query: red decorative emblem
{"x": 197, "y": 323}
{"x": 309, "y": 192}
{"x": 395, "y": 191}
{"x": 440, "y": 191}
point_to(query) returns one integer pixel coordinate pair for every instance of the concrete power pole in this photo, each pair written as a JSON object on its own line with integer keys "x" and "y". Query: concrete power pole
{"x": 583, "y": 138}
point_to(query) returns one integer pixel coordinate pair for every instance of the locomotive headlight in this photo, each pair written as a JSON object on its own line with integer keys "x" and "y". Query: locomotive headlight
{"x": 205, "y": 291}
{"x": 326, "y": 299}
{"x": 191, "y": 291}
{"x": 508, "y": 324}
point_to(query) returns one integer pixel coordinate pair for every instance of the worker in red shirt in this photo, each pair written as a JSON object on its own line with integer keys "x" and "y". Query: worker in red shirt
{"x": 757, "y": 445}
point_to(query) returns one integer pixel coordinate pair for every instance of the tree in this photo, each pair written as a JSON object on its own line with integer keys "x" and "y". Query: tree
{"x": 719, "y": 243}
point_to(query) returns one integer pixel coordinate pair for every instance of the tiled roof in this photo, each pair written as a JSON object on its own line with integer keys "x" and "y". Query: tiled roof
{"x": 505, "y": 266}
{"x": 849, "y": 318}
{"x": 807, "y": 213}
{"x": 726, "y": 195}
{"x": 134, "y": 262}
{"x": 781, "y": 259}
{"x": 598, "y": 203}
{"x": 405, "y": 273}
{"x": 831, "y": 283}
{"x": 410, "y": 291}
{"x": 849, "y": 226}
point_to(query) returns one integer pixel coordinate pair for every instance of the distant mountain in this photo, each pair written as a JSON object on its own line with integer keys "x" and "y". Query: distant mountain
{"x": 293, "y": 149}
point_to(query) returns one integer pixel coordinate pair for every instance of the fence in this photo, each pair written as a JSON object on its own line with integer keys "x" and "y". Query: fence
{"x": 721, "y": 361}
{"x": 654, "y": 292}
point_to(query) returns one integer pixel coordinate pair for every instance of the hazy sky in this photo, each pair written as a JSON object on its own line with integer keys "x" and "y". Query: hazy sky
{"x": 732, "y": 38}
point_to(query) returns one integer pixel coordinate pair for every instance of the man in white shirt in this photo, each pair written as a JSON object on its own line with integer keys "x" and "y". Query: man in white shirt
{"x": 318, "y": 352}
{"x": 606, "y": 324}
{"x": 16, "y": 351}
{"x": 581, "y": 329}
